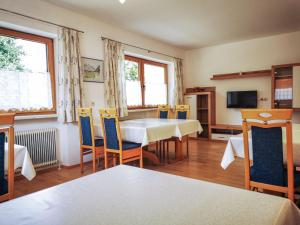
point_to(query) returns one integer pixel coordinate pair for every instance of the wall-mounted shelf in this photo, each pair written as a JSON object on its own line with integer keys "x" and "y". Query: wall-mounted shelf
{"x": 284, "y": 76}
{"x": 202, "y": 108}
{"x": 249, "y": 74}
{"x": 196, "y": 90}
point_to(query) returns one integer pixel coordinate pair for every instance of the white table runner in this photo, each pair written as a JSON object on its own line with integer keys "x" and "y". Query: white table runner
{"x": 150, "y": 130}
{"x": 23, "y": 160}
{"x": 235, "y": 148}
{"x": 126, "y": 195}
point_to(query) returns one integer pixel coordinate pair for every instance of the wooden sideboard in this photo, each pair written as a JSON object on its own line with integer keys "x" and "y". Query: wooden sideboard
{"x": 222, "y": 132}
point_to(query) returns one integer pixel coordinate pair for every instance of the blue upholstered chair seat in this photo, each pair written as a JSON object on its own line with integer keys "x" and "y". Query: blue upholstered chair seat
{"x": 3, "y": 186}
{"x": 99, "y": 142}
{"x": 112, "y": 136}
{"x": 126, "y": 145}
{"x": 255, "y": 177}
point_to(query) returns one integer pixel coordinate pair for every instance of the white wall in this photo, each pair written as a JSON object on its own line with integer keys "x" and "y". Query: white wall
{"x": 256, "y": 54}
{"x": 91, "y": 46}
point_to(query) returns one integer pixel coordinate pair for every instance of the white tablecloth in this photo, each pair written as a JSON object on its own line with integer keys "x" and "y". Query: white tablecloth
{"x": 22, "y": 160}
{"x": 126, "y": 195}
{"x": 235, "y": 148}
{"x": 150, "y": 130}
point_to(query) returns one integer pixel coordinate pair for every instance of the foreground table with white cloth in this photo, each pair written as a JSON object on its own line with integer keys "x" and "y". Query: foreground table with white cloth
{"x": 22, "y": 160}
{"x": 126, "y": 195}
{"x": 235, "y": 148}
{"x": 150, "y": 130}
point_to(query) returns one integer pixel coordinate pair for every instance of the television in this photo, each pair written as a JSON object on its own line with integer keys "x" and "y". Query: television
{"x": 242, "y": 99}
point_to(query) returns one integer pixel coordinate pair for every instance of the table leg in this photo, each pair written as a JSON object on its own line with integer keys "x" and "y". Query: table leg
{"x": 179, "y": 147}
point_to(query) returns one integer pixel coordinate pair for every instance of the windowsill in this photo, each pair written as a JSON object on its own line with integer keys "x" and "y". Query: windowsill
{"x": 142, "y": 110}
{"x": 33, "y": 117}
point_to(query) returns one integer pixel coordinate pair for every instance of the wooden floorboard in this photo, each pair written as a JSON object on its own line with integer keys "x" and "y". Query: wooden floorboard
{"x": 203, "y": 164}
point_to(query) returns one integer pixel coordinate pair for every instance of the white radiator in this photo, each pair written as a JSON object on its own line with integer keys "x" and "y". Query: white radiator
{"x": 41, "y": 145}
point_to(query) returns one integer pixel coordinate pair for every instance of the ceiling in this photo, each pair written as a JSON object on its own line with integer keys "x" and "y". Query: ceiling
{"x": 194, "y": 23}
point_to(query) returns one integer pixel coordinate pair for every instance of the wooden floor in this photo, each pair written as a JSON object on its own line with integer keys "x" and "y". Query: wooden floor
{"x": 203, "y": 164}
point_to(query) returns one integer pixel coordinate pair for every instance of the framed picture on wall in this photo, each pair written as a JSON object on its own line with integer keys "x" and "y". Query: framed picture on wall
{"x": 92, "y": 70}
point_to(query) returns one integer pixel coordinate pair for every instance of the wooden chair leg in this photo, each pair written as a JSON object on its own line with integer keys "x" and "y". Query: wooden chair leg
{"x": 141, "y": 159}
{"x": 291, "y": 196}
{"x": 176, "y": 148}
{"x": 81, "y": 160}
{"x": 105, "y": 160}
{"x": 167, "y": 146}
{"x": 163, "y": 149}
{"x": 168, "y": 152}
{"x": 116, "y": 159}
{"x": 160, "y": 153}
{"x": 94, "y": 160}
{"x": 98, "y": 161}
{"x": 187, "y": 147}
{"x": 121, "y": 160}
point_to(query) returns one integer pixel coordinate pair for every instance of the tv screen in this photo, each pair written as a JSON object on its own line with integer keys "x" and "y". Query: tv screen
{"x": 242, "y": 99}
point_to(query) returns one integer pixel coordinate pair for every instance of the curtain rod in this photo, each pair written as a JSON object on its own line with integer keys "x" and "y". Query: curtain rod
{"x": 148, "y": 50}
{"x": 40, "y": 20}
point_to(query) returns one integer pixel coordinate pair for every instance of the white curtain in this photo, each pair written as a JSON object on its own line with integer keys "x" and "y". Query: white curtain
{"x": 70, "y": 75}
{"x": 114, "y": 77}
{"x": 178, "y": 81}
{"x": 25, "y": 91}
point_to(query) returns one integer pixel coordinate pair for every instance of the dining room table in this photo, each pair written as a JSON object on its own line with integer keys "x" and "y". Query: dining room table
{"x": 126, "y": 195}
{"x": 151, "y": 130}
{"x": 235, "y": 147}
{"x": 22, "y": 160}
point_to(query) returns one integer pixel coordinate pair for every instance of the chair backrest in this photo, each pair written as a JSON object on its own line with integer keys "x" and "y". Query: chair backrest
{"x": 86, "y": 126}
{"x": 266, "y": 128}
{"x": 111, "y": 129}
{"x": 7, "y": 130}
{"x": 163, "y": 111}
{"x": 182, "y": 112}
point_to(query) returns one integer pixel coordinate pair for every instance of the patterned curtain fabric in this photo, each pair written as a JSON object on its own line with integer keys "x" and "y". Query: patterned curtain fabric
{"x": 178, "y": 81}
{"x": 114, "y": 77}
{"x": 70, "y": 75}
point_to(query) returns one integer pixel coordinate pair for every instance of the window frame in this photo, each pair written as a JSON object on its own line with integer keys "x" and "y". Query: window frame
{"x": 50, "y": 63}
{"x": 141, "y": 62}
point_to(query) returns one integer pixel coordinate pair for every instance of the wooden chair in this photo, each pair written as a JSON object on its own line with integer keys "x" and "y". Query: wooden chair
{"x": 181, "y": 112}
{"x": 7, "y": 183}
{"x": 163, "y": 111}
{"x": 89, "y": 144}
{"x": 267, "y": 170}
{"x": 113, "y": 144}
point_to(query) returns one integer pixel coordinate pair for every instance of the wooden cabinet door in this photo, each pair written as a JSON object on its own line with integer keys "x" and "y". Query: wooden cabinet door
{"x": 192, "y": 101}
{"x": 296, "y": 87}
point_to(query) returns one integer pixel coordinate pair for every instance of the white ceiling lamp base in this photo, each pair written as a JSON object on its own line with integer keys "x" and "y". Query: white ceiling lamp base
{"x": 122, "y": 1}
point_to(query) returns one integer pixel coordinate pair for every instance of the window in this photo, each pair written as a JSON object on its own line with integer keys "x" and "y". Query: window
{"x": 146, "y": 82}
{"x": 27, "y": 81}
